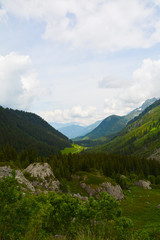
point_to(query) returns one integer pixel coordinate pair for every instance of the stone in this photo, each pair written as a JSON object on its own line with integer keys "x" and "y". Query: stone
{"x": 115, "y": 191}
{"x": 5, "y": 171}
{"x": 143, "y": 184}
{"x": 158, "y": 206}
{"x": 42, "y": 176}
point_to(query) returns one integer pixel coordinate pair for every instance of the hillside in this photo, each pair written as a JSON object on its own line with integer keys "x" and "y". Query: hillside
{"x": 114, "y": 124}
{"x": 24, "y": 130}
{"x": 108, "y": 126}
{"x": 140, "y": 136}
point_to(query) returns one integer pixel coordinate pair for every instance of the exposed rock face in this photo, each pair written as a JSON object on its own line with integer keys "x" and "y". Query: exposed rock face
{"x": 22, "y": 180}
{"x": 6, "y": 171}
{"x": 42, "y": 176}
{"x": 115, "y": 191}
{"x": 143, "y": 184}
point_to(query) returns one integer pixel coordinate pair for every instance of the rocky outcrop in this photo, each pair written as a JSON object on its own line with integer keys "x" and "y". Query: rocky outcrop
{"x": 6, "y": 171}
{"x": 143, "y": 184}
{"x": 113, "y": 190}
{"x": 41, "y": 176}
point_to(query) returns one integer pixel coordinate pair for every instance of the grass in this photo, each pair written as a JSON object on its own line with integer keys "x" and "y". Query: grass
{"x": 74, "y": 149}
{"x": 141, "y": 206}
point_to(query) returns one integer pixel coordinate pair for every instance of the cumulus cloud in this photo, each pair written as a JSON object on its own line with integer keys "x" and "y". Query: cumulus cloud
{"x": 145, "y": 84}
{"x": 111, "y": 25}
{"x": 75, "y": 114}
{"x": 18, "y": 81}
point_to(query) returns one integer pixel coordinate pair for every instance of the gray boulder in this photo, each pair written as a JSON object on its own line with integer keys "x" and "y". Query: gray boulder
{"x": 143, "y": 184}
{"x": 42, "y": 176}
{"x": 115, "y": 191}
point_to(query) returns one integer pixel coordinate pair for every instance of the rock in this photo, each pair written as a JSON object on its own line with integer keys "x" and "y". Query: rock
{"x": 158, "y": 206}
{"x": 143, "y": 184}
{"x": 115, "y": 191}
{"x": 42, "y": 176}
{"x": 22, "y": 180}
{"x": 77, "y": 195}
{"x": 123, "y": 176}
{"x": 6, "y": 171}
{"x": 39, "y": 170}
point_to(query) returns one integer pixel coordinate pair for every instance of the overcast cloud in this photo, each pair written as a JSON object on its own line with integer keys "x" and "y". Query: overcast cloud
{"x": 79, "y": 61}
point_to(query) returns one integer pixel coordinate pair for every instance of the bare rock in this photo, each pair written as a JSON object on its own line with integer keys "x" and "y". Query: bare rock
{"x": 22, "y": 180}
{"x": 115, "y": 191}
{"x": 42, "y": 176}
{"x": 143, "y": 184}
{"x": 158, "y": 206}
{"x": 6, "y": 171}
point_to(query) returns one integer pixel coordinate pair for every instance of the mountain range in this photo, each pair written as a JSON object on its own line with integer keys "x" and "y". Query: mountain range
{"x": 72, "y": 130}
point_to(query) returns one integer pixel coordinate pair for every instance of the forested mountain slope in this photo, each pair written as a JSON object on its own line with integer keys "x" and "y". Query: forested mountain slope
{"x": 114, "y": 124}
{"x": 108, "y": 126}
{"x": 24, "y": 130}
{"x": 140, "y": 136}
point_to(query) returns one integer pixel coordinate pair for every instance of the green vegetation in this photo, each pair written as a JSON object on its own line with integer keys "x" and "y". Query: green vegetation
{"x": 141, "y": 136}
{"x": 42, "y": 217}
{"x": 74, "y": 149}
{"x": 25, "y": 131}
{"x": 141, "y": 206}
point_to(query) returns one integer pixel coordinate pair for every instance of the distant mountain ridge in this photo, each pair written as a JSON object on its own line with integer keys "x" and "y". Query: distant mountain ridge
{"x": 74, "y": 130}
{"x": 24, "y": 130}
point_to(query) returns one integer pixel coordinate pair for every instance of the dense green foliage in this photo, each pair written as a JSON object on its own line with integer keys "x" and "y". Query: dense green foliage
{"x": 24, "y": 130}
{"x": 25, "y": 216}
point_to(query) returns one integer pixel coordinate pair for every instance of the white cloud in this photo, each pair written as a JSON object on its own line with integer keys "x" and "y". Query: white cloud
{"x": 18, "y": 81}
{"x": 96, "y": 24}
{"x": 145, "y": 85}
{"x": 75, "y": 114}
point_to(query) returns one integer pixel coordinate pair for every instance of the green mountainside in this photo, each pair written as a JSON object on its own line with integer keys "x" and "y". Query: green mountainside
{"x": 140, "y": 136}
{"x": 113, "y": 124}
{"x": 108, "y": 126}
{"x": 24, "y": 130}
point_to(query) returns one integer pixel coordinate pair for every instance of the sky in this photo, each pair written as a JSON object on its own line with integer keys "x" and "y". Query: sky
{"x": 79, "y": 61}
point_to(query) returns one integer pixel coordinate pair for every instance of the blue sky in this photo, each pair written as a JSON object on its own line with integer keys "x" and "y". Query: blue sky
{"x": 79, "y": 61}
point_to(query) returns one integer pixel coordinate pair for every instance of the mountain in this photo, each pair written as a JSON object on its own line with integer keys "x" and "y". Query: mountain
{"x": 74, "y": 131}
{"x": 114, "y": 124}
{"x": 141, "y": 136}
{"x": 108, "y": 126}
{"x": 24, "y": 130}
